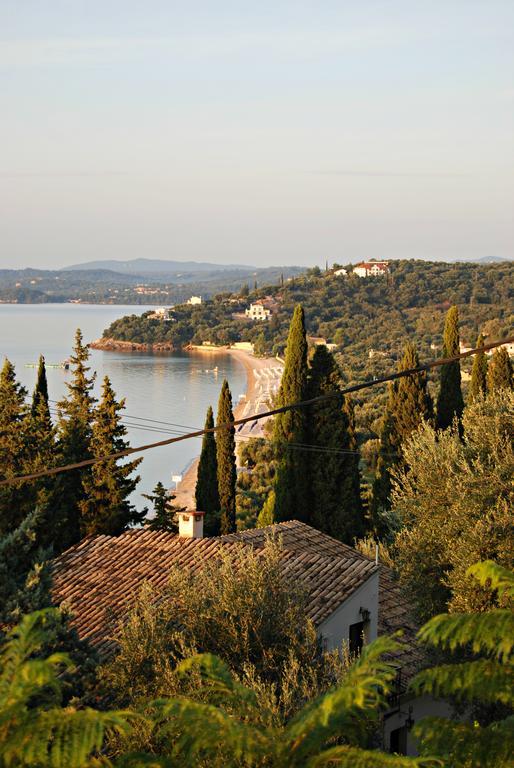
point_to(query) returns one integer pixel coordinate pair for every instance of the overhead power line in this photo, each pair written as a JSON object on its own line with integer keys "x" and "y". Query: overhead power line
{"x": 258, "y": 416}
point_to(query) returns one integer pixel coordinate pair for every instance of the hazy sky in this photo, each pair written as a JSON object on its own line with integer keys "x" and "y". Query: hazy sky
{"x": 278, "y": 131}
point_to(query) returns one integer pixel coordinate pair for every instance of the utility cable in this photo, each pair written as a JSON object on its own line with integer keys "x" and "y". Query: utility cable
{"x": 256, "y": 417}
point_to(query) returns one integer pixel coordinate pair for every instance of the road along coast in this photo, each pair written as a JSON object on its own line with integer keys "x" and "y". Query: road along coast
{"x": 263, "y": 375}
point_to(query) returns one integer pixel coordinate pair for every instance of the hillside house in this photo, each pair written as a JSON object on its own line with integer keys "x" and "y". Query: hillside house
{"x": 372, "y": 268}
{"x": 161, "y": 313}
{"x": 262, "y": 309}
{"x": 319, "y": 341}
{"x": 351, "y": 599}
{"x": 194, "y": 300}
{"x": 341, "y": 272}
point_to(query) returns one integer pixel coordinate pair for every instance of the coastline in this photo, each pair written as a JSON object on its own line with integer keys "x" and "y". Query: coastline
{"x": 113, "y": 345}
{"x": 262, "y": 375}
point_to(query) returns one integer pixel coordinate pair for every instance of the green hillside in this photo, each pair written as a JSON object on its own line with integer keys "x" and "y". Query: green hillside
{"x": 359, "y": 315}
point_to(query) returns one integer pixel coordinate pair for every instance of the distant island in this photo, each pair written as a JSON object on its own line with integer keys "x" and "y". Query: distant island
{"x": 141, "y": 281}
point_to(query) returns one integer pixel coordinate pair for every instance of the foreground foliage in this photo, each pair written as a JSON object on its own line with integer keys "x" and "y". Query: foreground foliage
{"x": 487, "y": 678}
{"x": 455, "y": 499}
{"x": 190, "y": 732}
{"x": 215, "y": 720}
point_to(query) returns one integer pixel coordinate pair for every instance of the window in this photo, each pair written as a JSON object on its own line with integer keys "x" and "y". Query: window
{"x": 356, "y": 638}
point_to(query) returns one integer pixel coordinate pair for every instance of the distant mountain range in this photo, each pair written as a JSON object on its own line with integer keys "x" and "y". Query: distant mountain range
{"x": 486, "y": 260}
{"x": 158, "y": 266}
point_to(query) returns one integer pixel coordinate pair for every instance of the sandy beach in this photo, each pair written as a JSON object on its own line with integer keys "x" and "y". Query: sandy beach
{"x": 263, "y": 376}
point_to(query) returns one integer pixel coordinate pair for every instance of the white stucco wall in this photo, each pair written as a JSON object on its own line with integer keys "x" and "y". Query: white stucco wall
{"x": 336, "y": 629}
{"x": 416, "y": 708}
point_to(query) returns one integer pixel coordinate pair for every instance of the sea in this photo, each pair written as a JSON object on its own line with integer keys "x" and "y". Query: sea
{"x": 165, "y": 393}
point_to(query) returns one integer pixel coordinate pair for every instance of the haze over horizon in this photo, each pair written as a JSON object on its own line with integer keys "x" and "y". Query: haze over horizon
{"x": 283, "y": 133}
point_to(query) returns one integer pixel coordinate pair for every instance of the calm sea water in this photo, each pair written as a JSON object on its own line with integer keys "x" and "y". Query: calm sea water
{"x": 166, "y": 387}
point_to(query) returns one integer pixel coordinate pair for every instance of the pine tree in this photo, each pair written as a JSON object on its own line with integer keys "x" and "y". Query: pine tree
{"x": 478, "y": 383}
{"x": 292, "y": 484}
{"x": 207, "y": 497}
{"x": 16, "y": 500}
{"x": 74, "y": 444}
{"x": 106, "y": 508}
{"x": 335, "y": 506}
{"x": 450, "y": 403}
{"x": 226, "y": 460}
{"x": 500, "y": 371}
{"x": 164, "y": 518}
{"x": 24, "y": 578}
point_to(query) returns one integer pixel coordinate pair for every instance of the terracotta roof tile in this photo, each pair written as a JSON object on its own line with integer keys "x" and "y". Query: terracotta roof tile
{"x": 100, "y": 577}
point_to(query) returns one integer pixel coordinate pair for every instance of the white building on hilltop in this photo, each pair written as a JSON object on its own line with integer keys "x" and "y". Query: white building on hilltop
{"x": 258, "y": 311}
{"x": 372, "y": 268}
{"x": 195, "y": 300}
{"x": 161, "y": 313}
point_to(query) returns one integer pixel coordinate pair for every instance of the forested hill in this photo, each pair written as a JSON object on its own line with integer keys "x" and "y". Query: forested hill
{"x": 358, "y": 314}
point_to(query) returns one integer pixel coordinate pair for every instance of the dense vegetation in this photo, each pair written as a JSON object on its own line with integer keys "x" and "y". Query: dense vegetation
{"x": 369, "y": 319}
{"x": 357, "y": 314}
{"x": 203, "y": 713}
{"x": 224, "y": 668}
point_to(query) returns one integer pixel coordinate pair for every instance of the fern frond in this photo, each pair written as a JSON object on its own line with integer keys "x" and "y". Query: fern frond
{"x": 493, "y": 576}
{"x": 19, "y": 673}
{"x": 60, "y": 738}
{"x": 352, "y": 757}
{"x": 481, "y": 680}
{"x": 491, "y": 632}
{"x": 205, "y": 729}
{"x": 340, "y": 712}
{"x": 467, "y": 744}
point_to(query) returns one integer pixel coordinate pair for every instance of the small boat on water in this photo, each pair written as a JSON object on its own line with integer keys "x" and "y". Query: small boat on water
{"x": 64, "y": 365}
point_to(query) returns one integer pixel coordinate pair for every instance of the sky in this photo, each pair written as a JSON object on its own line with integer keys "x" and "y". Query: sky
{"x": 276, "y": 132}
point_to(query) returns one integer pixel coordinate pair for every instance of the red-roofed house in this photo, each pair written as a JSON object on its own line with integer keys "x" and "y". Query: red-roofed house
{"x": 372, "y": 268}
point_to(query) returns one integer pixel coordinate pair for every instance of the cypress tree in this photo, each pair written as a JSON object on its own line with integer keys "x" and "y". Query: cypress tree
{"x": 42, "y": 442}
{"x": 106, "y": 508}
{"x": 335, "y": 506}
{"x": 409, "y": 400}
{"x": 409, "y": 404}
{"x": 291, "y": 482}
{"x": 450, "y": 403}
{"x": 267, "y": 514}
{"x": 164, "y": 518}
{"x": 381, "y": 488}
{"x": 500, "y": 371}
{"x": 478, "y": 383}
{"x": 207, "y": 498}
{"x": 226, "y": 460}
{"x": 40, "y": 394}
{"x": 15, "y": 500}
{"x": 74, "y": 444}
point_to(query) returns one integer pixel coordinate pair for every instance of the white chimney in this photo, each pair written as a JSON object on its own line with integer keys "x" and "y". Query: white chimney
{"x": 190, "y": 524}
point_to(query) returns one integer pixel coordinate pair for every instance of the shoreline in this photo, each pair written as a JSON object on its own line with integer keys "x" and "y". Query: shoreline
{"x": 260, "y": 371}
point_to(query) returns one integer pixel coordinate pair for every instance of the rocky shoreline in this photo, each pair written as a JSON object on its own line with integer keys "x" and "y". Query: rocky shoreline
{"x": 109, "y": 344}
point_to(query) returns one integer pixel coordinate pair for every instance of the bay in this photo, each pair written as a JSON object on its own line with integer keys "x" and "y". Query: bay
{"x": 175, "y": 388}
